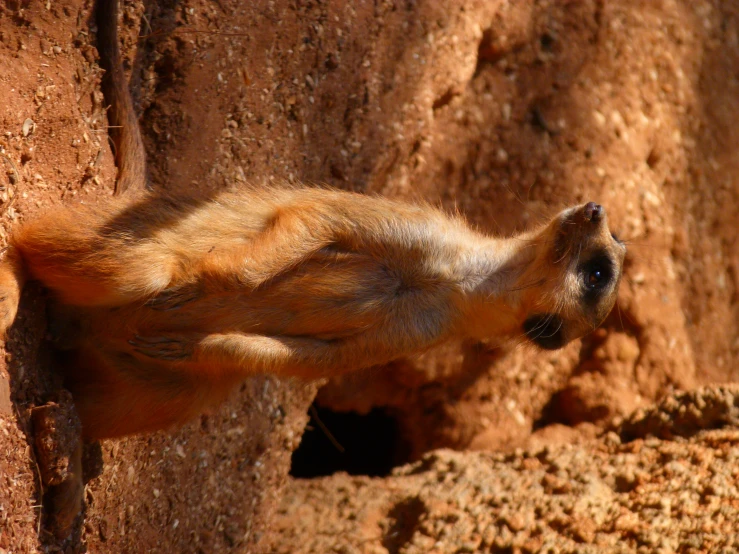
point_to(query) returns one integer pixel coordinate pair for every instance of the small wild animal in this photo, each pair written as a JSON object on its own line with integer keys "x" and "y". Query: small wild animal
{"x": 162, "y": 304}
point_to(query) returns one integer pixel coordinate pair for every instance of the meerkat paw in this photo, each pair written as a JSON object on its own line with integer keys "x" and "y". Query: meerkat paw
{"x": 11, "y": 284}
{"x": 163, "y": 348}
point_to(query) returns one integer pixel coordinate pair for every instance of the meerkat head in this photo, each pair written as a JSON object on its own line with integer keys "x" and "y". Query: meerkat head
{"x": 576, "y": 269}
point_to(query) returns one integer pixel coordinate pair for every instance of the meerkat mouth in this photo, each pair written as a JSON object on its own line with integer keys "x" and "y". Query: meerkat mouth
{"x": 545, "y": 330}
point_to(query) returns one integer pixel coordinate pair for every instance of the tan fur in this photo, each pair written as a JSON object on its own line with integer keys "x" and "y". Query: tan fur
{"x": 175, "y": 301}
{"x": 162, "y": 304}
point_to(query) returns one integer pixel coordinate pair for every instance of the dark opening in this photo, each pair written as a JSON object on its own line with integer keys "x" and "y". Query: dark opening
{"x": 346, "y": 441}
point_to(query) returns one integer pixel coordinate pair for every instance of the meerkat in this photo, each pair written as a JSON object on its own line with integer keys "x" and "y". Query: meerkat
{"x": 161, "y": 304}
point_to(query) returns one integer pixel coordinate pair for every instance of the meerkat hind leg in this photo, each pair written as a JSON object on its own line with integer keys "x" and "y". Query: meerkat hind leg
{"x": 12, "y": 278}
{"x": 117, "y": 395}
{"x": 237, "y": 355}
{"x": 83, "y": 269}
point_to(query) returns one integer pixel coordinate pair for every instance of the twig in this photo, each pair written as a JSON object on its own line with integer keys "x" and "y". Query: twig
{"x": 329, "y": 435}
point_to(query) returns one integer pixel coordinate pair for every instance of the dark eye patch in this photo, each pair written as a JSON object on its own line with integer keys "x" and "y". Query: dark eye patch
{"x": 596, "y": 274}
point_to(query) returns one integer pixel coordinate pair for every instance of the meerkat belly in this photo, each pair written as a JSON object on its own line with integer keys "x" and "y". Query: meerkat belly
{"x": 324, "y": 300}
{"x": 326, "y": 297}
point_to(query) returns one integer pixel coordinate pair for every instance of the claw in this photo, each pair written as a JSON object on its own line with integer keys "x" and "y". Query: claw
{"x": 172, "y": 357}
{"x": 160, "y": 348}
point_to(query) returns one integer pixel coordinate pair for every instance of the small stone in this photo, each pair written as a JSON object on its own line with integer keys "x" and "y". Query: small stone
{"x": 28, "y": 127}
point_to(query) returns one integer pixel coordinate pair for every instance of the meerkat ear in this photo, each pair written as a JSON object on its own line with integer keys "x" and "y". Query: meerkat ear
{"x": 12, "y": 277}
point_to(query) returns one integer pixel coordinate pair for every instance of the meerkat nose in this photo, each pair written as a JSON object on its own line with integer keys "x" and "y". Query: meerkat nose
{"x": 593, "y": 212}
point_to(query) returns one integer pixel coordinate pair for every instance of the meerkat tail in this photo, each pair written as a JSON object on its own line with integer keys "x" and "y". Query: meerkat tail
{"x": 124, "y": 130}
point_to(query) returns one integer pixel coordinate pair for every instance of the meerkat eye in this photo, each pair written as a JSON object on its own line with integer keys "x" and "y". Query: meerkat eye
{"x": 595, "y": 277}
{"x": 596, "y": 273}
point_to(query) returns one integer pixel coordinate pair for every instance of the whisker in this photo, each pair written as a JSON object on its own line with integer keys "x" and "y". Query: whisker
{"x": 564, "y": 255}
{"x": 618, "y": 311}
{"x": 537, "y": 283}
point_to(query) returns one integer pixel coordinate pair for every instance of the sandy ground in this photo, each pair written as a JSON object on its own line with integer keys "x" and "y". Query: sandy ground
{"x": 629, "y": 491}
{"x": 505, "y": 111}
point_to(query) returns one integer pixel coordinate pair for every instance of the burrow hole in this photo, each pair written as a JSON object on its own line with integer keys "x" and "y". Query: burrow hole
{"x": 367, "y": 444}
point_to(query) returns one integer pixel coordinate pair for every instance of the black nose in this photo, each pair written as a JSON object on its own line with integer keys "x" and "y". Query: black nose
{"x": 593, "y": 212}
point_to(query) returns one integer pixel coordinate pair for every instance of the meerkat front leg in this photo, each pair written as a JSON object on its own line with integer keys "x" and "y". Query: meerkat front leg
{"x": 243, "y": 354}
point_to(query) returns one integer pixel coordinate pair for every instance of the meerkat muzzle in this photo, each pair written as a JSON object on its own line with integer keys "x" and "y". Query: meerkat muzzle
{"x": 593, "y": 212}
